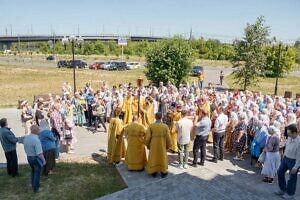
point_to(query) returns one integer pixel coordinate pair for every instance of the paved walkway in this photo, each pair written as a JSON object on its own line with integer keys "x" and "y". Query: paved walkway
{"x": 226, "y": 180}
{"x": 88, "y": 142}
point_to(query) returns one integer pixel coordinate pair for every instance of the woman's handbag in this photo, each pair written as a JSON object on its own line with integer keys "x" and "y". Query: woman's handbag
{"x": 262, "y": 157}
{"x": 68, "y": 135}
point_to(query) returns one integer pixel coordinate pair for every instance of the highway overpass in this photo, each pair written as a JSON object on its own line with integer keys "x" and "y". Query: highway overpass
{"x": 8, "y": 40}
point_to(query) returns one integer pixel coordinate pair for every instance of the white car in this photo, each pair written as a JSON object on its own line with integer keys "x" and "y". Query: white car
{"x": 133, "y": 65}
{"x": 106, "y": 65}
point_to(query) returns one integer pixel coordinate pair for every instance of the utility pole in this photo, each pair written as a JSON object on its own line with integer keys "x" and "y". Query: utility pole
{"x": 277, "y": 68}
{"x": 11, "y": 30}
{"x": 77, "y": 29}
{"x": 6, "y": 30}
{"x": 191, "y": 34}
{"x": 18, "y": 43}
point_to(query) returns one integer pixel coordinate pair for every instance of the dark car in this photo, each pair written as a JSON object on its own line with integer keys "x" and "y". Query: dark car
{"x": 51, "y": 57}
{"x": 118, "y": 66}
{"x": 96, "y": 65}
{"x": 196, "y": 70}
{"x": 77, "y": 63}
{"x": 62, "y": 63}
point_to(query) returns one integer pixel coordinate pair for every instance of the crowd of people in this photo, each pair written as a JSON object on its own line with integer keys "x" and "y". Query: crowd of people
{"x": 175, "y": 119}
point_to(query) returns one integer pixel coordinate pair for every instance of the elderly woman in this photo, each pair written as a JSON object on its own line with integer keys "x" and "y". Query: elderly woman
{"x": 251, "y": 126}
{"x": 291, "y": 119}
{"x": 259, "y": 141}
{"x": 26, "y": 116}
{"x": 240, "y": 137}
{"x": 272, "y": 160}
{"x": 48, "y": 145}
{"x": 79, "y": 117}
{"x": 233, "y": 121}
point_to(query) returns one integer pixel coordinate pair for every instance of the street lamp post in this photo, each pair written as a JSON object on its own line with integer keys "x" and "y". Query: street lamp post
{"x": 278, "y": 65}
{"x": 74, "y": 40}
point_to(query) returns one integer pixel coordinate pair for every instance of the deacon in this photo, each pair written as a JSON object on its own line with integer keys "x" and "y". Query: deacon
{"x": 135, "y": 158}
{"x": 116, "y": 146}
{"x": 128, "y": 107}
{"x": 158, "y": 141}
{"x": 175, "y": 117}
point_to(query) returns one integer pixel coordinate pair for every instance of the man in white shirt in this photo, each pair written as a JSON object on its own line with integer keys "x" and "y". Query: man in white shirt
{"x": 218, "y": 134}
{"x": 291, "y": 162}
{"x": 184, "y": 128}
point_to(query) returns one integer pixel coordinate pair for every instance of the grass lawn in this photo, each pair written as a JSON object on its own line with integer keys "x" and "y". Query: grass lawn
{"x": 18, "y": 82}
{"x": 86, "y": 179}
{"x": 267, "y": 85}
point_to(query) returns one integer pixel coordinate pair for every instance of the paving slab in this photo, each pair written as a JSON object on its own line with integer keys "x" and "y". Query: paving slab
{"x": 228, "y": 179}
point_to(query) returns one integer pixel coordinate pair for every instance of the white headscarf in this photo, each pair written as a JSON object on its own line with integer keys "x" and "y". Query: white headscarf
{"x": 273, "y": 130}
{"x": 233, "y": 116}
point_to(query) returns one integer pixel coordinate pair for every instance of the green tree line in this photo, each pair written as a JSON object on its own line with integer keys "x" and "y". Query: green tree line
{"x": 210, "y": 49}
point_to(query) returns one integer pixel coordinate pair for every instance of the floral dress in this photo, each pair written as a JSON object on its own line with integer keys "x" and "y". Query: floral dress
{"x": 79, "y": 117}
{"x": 240, "y": 146}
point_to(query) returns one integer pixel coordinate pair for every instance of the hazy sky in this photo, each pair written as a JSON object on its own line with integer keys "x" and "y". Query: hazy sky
{"x": 212, "y": 18}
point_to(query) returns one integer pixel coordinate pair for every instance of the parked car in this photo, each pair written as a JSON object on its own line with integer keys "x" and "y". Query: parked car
{"x": 118, "y": 66}
{"x": 96, "y": 65}
{"x": 62, "y": 63}
{"x": 51, "y": 57}
{"x": 196, "y": 70}
{"x": 106, "y": 65}
{"x": 133, "y": 65}
{"x": 77, "y": 63}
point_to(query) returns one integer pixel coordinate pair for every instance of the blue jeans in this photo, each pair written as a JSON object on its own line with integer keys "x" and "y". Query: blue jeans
{"x": 290, "y": 187}
{"x": 35, "y": 172}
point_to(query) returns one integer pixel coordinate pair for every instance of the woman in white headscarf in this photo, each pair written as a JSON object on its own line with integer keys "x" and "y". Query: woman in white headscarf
{"x": 272, "y": 156}
{"x": 233, "y": 121}
{"x": 48, "y": 145}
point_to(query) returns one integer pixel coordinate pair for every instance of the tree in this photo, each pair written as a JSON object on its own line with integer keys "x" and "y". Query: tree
{"x": 249, "y": 58}
{"x": 169, "y": 60}
{"x": 297, "y": 51}
{"x": 44, "y": 48}
{"x": 99, "y": 47}
{"x": 59, "y": 48}
{"x": 88, "y": 48}
{"x": 287, "y": 59}
{"x": 297, "y": 44}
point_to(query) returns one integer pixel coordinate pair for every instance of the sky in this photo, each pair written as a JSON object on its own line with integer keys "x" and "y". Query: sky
{"x": 223, "y": 19}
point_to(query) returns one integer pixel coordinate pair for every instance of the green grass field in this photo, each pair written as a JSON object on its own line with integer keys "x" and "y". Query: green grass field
{"x": 267, "y": 85}
{"x": 20, "y": 83}
{"x": 87, "y": 179}
{"x": 23, "y": 81}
